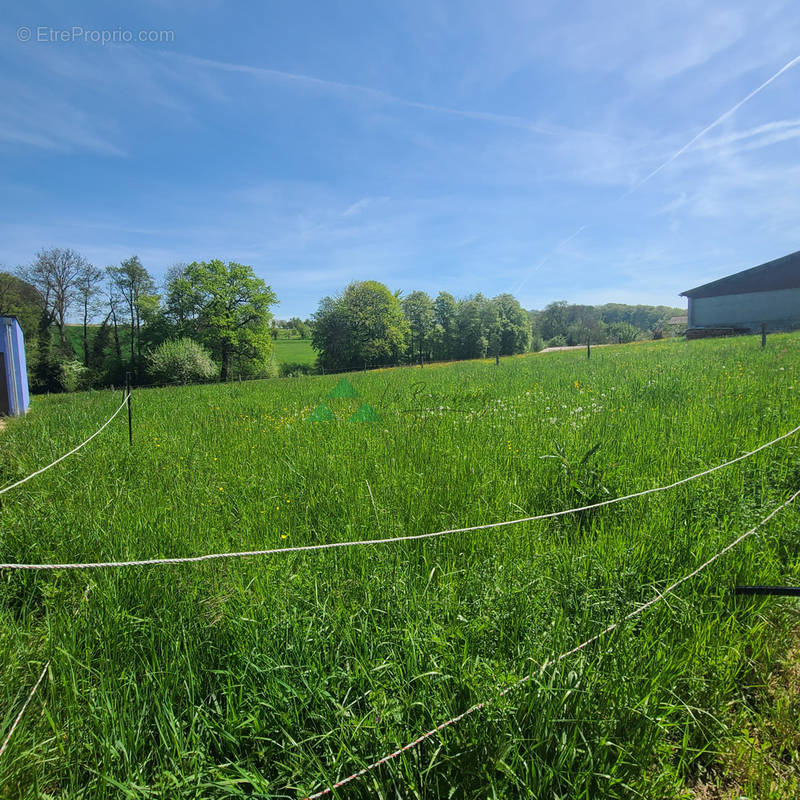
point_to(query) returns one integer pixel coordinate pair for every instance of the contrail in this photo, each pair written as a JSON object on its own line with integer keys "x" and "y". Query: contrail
{"x": 381, "y": 96}
{"x": 547, "y": 256}
{"x": 676, "y": 154}
{"x": 710, "y": 127}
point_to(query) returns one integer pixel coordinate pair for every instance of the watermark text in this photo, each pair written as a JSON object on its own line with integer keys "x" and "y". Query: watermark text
{"x": 77, "y": 34}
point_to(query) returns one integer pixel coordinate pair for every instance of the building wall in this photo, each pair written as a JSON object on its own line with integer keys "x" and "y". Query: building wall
{"x": 12, "y": 344}
{"x": 778, "y": 309}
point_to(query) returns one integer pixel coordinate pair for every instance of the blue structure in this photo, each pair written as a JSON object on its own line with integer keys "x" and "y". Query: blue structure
{"x": 13, "y": 370}
{"x": 767, "y": 295}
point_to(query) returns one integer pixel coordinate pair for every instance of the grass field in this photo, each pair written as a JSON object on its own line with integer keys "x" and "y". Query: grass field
{"x": 294, "y": 351}
{"x": 273, "y": 677}
{"x": 287, "y": 351}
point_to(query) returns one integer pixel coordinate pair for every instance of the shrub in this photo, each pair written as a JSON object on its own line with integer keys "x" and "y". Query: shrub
{"x": 557, "y": 341}
{"x": 294, "y": 369}
{"x": 537, "y": 344}
{"x": 72, "y": 376}
{"x": 623, "y": 332}
{"x": 180, "y": 360}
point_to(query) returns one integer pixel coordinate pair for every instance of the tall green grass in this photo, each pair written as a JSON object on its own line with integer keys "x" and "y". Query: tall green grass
{"x": 276, "y": 676}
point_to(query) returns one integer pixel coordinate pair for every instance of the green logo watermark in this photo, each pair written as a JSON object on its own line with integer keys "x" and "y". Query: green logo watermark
{"x": 342, "y": 400}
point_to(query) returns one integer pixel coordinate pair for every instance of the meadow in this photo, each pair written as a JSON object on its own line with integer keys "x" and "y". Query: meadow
{"x": 276, "y": 676}
{"x": 294, "y": 351}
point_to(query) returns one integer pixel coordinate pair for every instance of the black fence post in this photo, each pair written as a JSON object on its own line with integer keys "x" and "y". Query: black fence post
{"x": 130, "y": 416}
{"x": 777, "y": 591}
{"x": 763, "y": 335}
{"x": 589, "y": 346}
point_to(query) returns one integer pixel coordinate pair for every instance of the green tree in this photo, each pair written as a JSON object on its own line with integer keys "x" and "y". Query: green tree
{"x": 470, "y": 319}
{"x": 418, "y": 308}
{"x": 156, "y": 326}
{"x": 300, "y": 327}
{"x": 226, "y": 307}
{"x": 365, "y": 325}
{"x": 22, "y": 300}
{"x": 183, "y": 300}
{"x": 491, "y": 325}
{"x": 445, "y": 326}
{"x": 553, "y": 320}
{"x": 56, "y": 273}
{"x": 98, "y": 353}
{"x": 88, "y": 288}
{"x": 515, "y": 325}
{"x": 331, "y": 334}
{"x": 623, "y": 332}
{"x": 133, "y": 282}
{"x": 584, "y": 323}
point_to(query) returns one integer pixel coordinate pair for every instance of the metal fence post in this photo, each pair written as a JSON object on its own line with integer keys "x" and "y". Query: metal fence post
{"x": 130, "y": 416}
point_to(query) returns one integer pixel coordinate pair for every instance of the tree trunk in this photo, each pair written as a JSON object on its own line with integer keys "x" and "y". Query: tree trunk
{"x": 117, "y": 345}
{"x": 86, "y": 332}
{"x": 133, "y": 337}
{"x": 138, "y": 342}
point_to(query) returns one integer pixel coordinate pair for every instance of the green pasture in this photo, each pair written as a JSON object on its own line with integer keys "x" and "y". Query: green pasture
{"x": 276, "y": 676}
{"x": 294, "y": 351}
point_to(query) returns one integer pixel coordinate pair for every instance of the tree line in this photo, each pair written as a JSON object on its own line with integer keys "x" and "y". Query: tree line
{"x": 564, "y": 324}
{"x": 212, "y": 319}
{"x": 369, "y": 325}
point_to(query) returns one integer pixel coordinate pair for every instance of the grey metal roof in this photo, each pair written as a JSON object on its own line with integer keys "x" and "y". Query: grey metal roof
{"x": 782, "y": 273}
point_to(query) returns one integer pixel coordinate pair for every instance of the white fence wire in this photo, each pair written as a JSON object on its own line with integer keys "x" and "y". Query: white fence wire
{"x": 150, "y": 562}
{"x": 66, "y": 455}
{"x": 551, "y": 662}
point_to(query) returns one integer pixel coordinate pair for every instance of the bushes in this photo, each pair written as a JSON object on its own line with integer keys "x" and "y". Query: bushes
{"x": 293, "y": 369}
{"x": 181, "y": 360}
{"x": 73, "y": 376}
{"x": 623, "y": 332}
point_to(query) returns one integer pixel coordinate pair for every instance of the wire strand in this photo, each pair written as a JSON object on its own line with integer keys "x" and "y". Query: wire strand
{"x": 551, "y": 662}
{"x": 66, "y": 455}
{"x": 36, "y": 685}
{"x": 394, "y": 539}
{"x": 22, "y": 710}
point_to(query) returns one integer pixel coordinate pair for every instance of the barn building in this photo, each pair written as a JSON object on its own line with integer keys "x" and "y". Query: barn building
{"x": 766, "y": 295}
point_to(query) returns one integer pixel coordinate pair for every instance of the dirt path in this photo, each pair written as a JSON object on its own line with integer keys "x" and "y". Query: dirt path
{"x": 570, "y": 347}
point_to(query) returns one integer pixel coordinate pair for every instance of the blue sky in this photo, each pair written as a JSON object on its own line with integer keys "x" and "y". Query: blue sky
{"x": 536, "y": 148}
